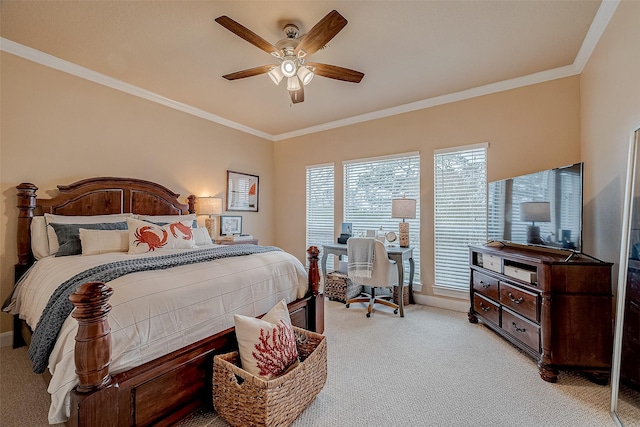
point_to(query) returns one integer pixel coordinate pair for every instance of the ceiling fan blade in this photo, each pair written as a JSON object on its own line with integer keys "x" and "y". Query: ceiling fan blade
{"x": 297, "y": 95}
{"x": 245, "y": 33}
{"x": 248, "y": 73}
{"x": 335, "y": 72}
{"x": 321, "y": 33}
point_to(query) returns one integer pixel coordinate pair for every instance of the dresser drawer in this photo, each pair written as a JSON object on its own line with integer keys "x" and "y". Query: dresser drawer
{"x": 519, "y": 300}
{"x": 486, "y": 308}
{"x": 485, "y": 285}
{"x": 520, "y": 274}
{"x": 524, "y": 330}
{"x": 492, "y": 262}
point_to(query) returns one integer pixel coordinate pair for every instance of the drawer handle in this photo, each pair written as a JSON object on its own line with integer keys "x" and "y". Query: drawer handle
{"x": 517, "y": 301}
{"x": 518, "y": 329}
{"x": 485, "y": 285}
{"x": 485, "y": 309}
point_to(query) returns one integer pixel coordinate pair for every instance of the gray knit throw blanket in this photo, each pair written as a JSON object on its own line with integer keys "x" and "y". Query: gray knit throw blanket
{"x": 59, "y": 306}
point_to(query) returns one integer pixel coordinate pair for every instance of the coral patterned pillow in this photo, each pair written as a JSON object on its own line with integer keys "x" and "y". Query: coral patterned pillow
{"x": 267, "y": 346}
{"x": 148, "y": 237}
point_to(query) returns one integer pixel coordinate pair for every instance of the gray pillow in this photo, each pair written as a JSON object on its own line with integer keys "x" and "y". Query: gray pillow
{"x": 69, "y": 235}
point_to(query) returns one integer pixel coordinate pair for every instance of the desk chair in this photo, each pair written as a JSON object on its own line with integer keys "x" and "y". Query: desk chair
{"x": 383, "y": 275}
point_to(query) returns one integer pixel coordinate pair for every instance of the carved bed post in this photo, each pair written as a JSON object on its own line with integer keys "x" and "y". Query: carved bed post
{"x": 317, "y": 307}
{"x": 93, "y": 340}
{"x": 192, "y": 203}
{"x": 314, "y": 274}
{"x": 26, "y": 208}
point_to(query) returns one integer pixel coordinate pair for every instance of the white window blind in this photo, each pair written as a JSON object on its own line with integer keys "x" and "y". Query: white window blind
{"x": 320, "y": 207}
{"x": 460, "y": 217}
{"x": 369, "y": 186}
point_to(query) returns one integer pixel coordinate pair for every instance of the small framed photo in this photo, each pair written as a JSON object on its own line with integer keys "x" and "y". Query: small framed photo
{"x": 347, "y": 228}
{"x": 230, "y": 225}
{"x": 242, "y": 191}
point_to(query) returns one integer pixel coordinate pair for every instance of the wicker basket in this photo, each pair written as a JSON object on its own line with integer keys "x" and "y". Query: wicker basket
{"x": 243, "y": 399}
{"x": 405, "y": 295}
{"x": 338, "y": 287}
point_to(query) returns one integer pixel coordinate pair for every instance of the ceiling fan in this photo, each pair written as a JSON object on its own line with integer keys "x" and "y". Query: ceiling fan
{"x": 292, "y": 53}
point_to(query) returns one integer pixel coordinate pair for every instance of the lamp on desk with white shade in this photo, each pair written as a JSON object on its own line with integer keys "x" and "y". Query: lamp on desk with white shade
{"x": 211, "y": 206}
{"x": 406, "y": 209}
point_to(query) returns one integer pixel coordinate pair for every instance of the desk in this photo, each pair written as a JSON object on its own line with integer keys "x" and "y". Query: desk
{"x": 395, "y": 253}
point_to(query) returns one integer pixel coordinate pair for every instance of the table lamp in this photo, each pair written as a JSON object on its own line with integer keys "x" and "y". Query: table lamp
{"x": 406, "y": 209}
{"x": 211, "y": 206}
{"x": 535, "y": 211}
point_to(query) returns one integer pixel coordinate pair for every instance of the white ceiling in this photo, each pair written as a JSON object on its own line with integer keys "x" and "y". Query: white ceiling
{"x": 413, "y": 53}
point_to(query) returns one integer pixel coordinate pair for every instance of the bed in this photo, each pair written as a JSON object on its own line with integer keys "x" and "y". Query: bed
{"x": 159, "y": 387}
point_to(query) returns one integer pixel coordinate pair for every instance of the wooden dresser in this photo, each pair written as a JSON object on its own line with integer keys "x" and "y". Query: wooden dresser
{"x": 557, "y": 310}
{"x": 630, "y": 362}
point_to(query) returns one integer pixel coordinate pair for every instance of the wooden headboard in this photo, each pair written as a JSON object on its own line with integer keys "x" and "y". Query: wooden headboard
{"x": 94, "y": 196}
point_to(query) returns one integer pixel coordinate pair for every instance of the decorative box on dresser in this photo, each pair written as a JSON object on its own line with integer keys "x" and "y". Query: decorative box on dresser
{"x": 555, "y": 306}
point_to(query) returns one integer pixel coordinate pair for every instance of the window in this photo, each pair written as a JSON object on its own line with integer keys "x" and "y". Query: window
{"x": 460, "y": 217}
{"x": 369, "y": 186}
{"x": 320, "y": 206}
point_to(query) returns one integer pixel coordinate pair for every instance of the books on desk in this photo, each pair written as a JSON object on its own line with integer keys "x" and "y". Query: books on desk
{"x": 236, "y": 238}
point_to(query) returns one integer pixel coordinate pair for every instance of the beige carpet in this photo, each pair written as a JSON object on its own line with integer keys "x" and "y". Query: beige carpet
{"x": 431, "y": 368}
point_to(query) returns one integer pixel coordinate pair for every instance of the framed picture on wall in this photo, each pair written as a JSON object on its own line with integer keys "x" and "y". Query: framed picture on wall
{"x": 230, "y": 225}
{"x": 242, "y": 191}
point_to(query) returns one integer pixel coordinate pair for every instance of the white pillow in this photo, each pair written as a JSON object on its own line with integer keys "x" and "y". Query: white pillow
{"x": 201, "y": 236}
{"x": 39, "y": 238}
{"x": 147, "y": 237}
{"x": 102, "y": 241}
{"x": 267, "y": 346}
{"x": 80, "y": 219}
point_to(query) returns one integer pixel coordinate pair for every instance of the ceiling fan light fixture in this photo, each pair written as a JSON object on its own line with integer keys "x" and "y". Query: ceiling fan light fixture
{"x": 276, "y": 75}
{"x": 305, "y": 74}
{"x": 293, "y": 83}
{"x": 288, "y": 67}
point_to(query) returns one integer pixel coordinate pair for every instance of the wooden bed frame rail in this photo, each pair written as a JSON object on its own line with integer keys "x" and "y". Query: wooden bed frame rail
{"x": 164, "y": 390}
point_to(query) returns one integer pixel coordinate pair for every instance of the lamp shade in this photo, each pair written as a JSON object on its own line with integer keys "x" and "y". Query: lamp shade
{"x": 403, "y": 208}
{"x": 305, "y": 75}
{"x": 293, "y": 83}
{"x": 209, "y": 206}
{"x": 535, "y": 211}
{"x": 276, "y": 75}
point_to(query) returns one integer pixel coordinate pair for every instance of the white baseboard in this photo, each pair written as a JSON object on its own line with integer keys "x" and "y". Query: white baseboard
{"x": 446, "y": 303}
{"x": 6, "y": 339}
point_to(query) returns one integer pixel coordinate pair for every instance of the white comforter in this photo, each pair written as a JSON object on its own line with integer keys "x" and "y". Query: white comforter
{"x": 157, "y": 312}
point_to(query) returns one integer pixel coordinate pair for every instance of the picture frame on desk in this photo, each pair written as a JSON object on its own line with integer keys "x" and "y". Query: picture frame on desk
{"x": 230, "y": 225}
{"x": 242, "y": 191}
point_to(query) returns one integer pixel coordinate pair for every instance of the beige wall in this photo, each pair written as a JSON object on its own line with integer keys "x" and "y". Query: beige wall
{"x": 610, "y": 111}
{"x": 528, "y": 129}
{"x": 57, "y": 129}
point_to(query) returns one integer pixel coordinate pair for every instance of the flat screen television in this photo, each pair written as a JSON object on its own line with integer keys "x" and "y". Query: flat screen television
{"x": 540, "y": 209}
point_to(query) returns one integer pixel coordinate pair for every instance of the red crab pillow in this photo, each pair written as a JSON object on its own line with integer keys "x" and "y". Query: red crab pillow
{"x": 267, "y": 346}
{"x": 149, "y": 237}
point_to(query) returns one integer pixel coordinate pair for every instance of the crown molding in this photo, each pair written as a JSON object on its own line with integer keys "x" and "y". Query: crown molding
{"x": 596, "y": 29}
{"x": 601, "y": 20}
{"x": 56, "y": 63}
{"x": 543, "y": 76}
{"x": 599, "y": 24}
